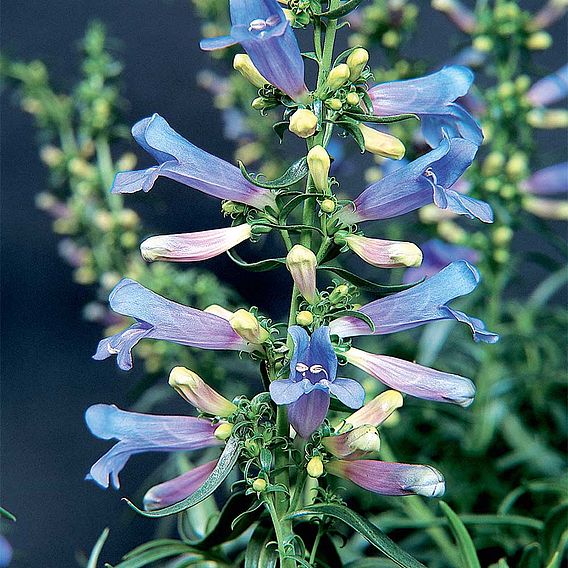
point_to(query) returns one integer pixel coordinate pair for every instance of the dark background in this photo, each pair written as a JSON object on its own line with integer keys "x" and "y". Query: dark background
{"x": 48, "y": 378}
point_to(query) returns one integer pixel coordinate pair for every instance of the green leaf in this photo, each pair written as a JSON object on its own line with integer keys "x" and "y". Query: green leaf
{"x": 280, "y": 128}
{"x": 532, "y": 556}
{"x": 292, "y": 204}
{"x": 555, "y": 531}
{"x": 258, "y": 555}
{"x": 363, "y": 117}
{"x": 464, "y": 542}
{"x": 358, "y": 315}
{"x": 341, "y": 11}
{"x": 225, "y": 528}
{"x": 7, "y": 515}
{"x": 366, "y": 529}
{"x": 352, "y": 128}
{"x": 97, "y": 549}
{"x": 226, "y": 462}
{"x": 295, "y": 173}
{"x": 153, "y": 551}
{"x": 310, "y": 55}
{"x": 260, "y": 266}
{"x": 378, "y": 289}
{"x": 547, "y": 288}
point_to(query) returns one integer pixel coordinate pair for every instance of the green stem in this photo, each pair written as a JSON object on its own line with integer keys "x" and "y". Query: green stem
{"x": 281, "y": 529}
{"x": 316, "y": 544}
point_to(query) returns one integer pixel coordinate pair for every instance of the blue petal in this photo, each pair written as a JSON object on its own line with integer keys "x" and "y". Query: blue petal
{"x": 349, "y": 392}
{"x": 286, "y": 391}
{"x": 320, "y": 352}
{"x": 468, "y": 206}
{"x": 476, "y": 325}
{"x": 301, "y": 341}
{"x": 308, "y": 412}
{"x": 456, "y": 122}
{"x": 212, "y": 43}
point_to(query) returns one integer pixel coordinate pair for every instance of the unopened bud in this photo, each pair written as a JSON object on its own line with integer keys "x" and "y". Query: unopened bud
{"x": 377, "y": 410}
{"x": 223, "y": 431}
{"x": 539, "y": 41}
{"x": 517, "y": 166}
{"x": 127, "y": 161}
{"x": 248, "y": 327}
{"x": 244, "y": 65}
{"x": 391, "y": 39}
{"x": 338, "y": 293}
{"x": 51, "y": 156}
{"x": 554, "y": 209}
{"x": 219, "y": 311}
{"x": 303, "y": 123}
{"x": 304, "y": 318}
{"x": 548, "y": 118}
{"x": 483, "y": 44}
{"x": 260, "y": 104}
{"x": 259, "y": 485}
{"x": 229, "y": 207}
{"x": 338, "y": 76}
{"x": 356, "y": 61}
{"x": 334, "y": 104}
{"x": 493, "y": 164}
{"x": 381, "y": 143}
{"x": 327, "y": 206}
{"x": 192, "y": 388}
{"x": 319, "y": 164}
{"x": 451, "y": 232}
{"x": 315, "y": 467}
{"x": 352, "y": 99}
{"x": 383, "y": 253}
{"x": 302, "y": 262}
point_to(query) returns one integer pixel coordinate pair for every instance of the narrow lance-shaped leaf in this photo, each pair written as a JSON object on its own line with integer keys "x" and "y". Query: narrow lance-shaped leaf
{"x": 342, "y": 10}
{"x": 225, "y": 464}
{"x": 295, "y": 173}
{"x": 260, "y": 266}
{"x": 366, "y": 529}
{"x": 464, "y": 542}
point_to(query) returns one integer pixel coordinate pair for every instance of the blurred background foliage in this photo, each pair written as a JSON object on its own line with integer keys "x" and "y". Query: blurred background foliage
{"x": 505, "y": 457}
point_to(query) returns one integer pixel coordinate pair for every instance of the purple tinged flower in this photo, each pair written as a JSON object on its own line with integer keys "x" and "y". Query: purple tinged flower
{"x": 137, "y": 433}
{"x": 159, "y": 318}
{"x": 414, "y": 379}
{"x": 383, "y": 253}
{"x": 421, "y": 304}
{"x": 548, "y": 181}
{"x": 354, "y": 444}
{"x": 425, "y": 180}
{"x": 459, "y": 14}
{"x": 178, "y": 488}
{"x": 552, "y": 11}
{"x": 193, "y": 247}
{"x": 437, "y": 255}
{"x": 376, "y": 411}
{"x": 6, "y": 552}
{"x": 432, "y": 98}
{"x": 312, "y": 379}
{"x": 301, "y": 262}
{"x": 260, "y": 26}
{"x": 387, "y": 478}
{"x": 551, "y": 89}
{"x": 181, "y": 161}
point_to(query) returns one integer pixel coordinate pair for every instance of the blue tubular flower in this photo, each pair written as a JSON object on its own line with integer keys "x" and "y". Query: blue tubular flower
{"x": 138, "y": 433}
{"x": 437, "y": 255}
{"x": 421, "y": 304}
{"x": 550, "y": 89}
{"x": 159, "y": 318}
{"x": 425, "y": 180}
{"x": 432, "y": 98}
{"x": 313, "y": 369}
{"x": 180, "y": 160}
{"x": 260, "y": 26}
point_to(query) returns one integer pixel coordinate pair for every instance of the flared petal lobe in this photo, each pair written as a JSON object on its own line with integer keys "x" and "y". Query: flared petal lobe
{"x": 137, "y": 433}
{"x": 421, "y": 304}
{"x": 159, "y": 318}
{"x": 308, "y": 412}
{"x": 432, "y": 98}
{"x": 180, "y": 160}
{"x": 265, "y": 34}
{"x": 178, "y": 488}
{"x": 194, "y": 247}
{"x": 414, "y": 379}
{"x": 428, "y": 179}
{"x": 387, "y": 478}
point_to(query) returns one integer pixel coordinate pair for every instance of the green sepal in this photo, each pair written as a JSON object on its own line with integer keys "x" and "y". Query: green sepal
{"x": 352, "y": 128}
{"x": 226, "y": 462}
{"x": 238, "y": 513}
{"x": 363, "y": 117}
{"x": 310, "y": 55}
{"x": 7, "y": 515}
{"x": 280, "y": 128}
{"x": 341, "y": 11}
{"x": 366, "y": 529}
{"x": 260, "y": 266}
{"x": 381, "y": 290}
{"x": 463, "y": 540}
{"x": 356, "y": 314}
{"x": 295, "y": 173}
{"x": 258, "y": 554}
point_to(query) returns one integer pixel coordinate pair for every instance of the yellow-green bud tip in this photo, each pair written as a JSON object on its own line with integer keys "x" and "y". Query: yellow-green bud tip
{"x": 315, "y": 467}
{"x": 223, "y": 431}
{"x": 356, "y": 62}
{"x": 259, "y": 485}
{"x": 328, "y": 206}
{"x": 319, "y": 164}
{"x": 304, "y": 318}
{"x": 303, "y": 123}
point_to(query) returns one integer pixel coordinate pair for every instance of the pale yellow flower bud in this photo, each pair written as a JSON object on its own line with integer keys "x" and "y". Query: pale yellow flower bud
{"x": 364, "y": 438}
{"x": 539, "y": 41}
{"x": 377, "y": 410}
{"x": 356, "y": 61}
{"x": 319, "y": 164}
{"x": 303, "y": 123}
{"x": 302, "y": 262}
{"x": 248, "y": 327}
{"x": 328, "y": 206}
{"x": 51, "y": 156}
{"x": 223, "y": 431}
{"x": 259, "y": 485}
{"x": 334, "y": 104}
{"x": 304, "y": 318}
{"x": 315, "y": 467}
{"x": 352, "y": 99}
{"x": 243, "y": 64}
{"x": 217, "y": 310}
{"x": 338, "y": 76}
{"x": 548, "y": 118}
{"x": 382, "y": 144}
